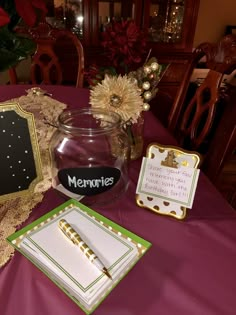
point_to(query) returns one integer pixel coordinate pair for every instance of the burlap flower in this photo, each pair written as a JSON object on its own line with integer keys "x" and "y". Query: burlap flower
{"x": 119, "y": 94}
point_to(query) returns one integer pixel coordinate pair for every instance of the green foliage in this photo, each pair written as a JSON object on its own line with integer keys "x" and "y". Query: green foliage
{"x": 13, "y": 48}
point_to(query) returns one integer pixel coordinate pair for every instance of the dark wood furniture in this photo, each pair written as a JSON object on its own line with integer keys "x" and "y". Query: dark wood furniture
{"x": 174, "y": 49}
{"x": 197, "y": 118}
{"x": 220, "y": 57}
{"x": 207, "y": 122}
{"x": 56, "y": 51}
{"x": 169, "y": 24}
{"x": 220, "y": 161}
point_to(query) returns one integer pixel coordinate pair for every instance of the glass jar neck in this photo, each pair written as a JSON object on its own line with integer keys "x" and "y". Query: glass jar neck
{"x": 88, "y": 121}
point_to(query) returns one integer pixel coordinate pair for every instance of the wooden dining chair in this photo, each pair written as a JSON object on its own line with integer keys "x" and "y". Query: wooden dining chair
{"x": 219, "y": 57}
{"x": 58, "y": 59}
{"x": 193, "y": 122}
{"x": 206, "y": 123}
{"x": 219, "y": 163}
{"x": 12, "y": 75}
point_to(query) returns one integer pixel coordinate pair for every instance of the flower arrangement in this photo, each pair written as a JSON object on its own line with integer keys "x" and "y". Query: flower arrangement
{"x": 130, "y": 94}
{"x": 121, "y": 88}
{"x": 125, "y": 45}
{"x": 119, "y": 94}
{"x": 15, "y": 47}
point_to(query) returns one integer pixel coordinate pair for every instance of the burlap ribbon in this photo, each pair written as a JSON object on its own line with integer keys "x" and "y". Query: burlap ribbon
{"x": 15, "y": 211}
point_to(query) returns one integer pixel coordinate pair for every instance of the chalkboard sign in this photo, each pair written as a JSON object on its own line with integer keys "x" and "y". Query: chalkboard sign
{"x": 89, "y": 181}
{"x": 20, "y": 164}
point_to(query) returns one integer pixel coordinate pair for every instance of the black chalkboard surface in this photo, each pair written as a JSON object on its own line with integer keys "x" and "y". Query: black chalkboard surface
{"x": 20, "y": 164}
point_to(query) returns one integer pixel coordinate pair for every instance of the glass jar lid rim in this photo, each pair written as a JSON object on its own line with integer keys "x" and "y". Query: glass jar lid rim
{"x": 112, "y": 120}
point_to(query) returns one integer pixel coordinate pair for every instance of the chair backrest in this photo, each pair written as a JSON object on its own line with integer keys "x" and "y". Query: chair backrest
{"x": 219, "y": 57}
{"x": 66, "y": 47}
{"x": 58, "y": 59}
{"x": 193, "y": 123}
{"x": 207, "y": 123}
{"x": 197, "y": 119}
{"x": 223, "y": 144}
{"x": 220, "y": 161}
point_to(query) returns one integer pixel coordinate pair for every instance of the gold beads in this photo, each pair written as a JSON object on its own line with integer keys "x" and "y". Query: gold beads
{"x": 147, "y": 95}
{"x": 146, "y": 107}
{"x": 147, "y": 69}
{"x": 154, "y": 66}
{"x": 146, "y": 85}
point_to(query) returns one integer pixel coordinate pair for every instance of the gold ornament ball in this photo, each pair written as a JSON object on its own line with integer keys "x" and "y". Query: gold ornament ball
{"x": 147, "y": 95}
{"x": 147, "y": 69}
{"x": 146, "y": 107}
{"x": 154, "y": 66}
{"x": 146, "y": 85}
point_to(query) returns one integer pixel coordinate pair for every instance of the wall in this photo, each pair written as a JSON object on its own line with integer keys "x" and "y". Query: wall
{"x": 213, "y": 16}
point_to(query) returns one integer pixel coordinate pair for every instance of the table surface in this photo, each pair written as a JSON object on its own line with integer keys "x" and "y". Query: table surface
{"x": 190, "y": 268}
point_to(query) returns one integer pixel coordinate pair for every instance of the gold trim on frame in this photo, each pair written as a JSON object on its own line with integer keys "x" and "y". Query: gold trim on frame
{"x": 169, "y": 156}
{"x": 35, "y": 149}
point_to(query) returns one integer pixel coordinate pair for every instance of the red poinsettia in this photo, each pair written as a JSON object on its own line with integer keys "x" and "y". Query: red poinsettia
{"x": 27, "y": 9}
{"x": 14, "y": 46}
{"x": 124, "y": 43}
{"x": 4, "y": 18}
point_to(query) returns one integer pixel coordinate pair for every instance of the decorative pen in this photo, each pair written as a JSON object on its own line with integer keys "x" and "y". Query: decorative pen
{"x": 72, "y": 235}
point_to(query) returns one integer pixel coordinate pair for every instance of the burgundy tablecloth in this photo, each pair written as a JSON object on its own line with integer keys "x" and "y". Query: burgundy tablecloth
{"x": 190, "y": 268}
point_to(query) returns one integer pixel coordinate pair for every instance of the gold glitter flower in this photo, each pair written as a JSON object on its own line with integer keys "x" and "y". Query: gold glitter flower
{"x": 119, "y": 94}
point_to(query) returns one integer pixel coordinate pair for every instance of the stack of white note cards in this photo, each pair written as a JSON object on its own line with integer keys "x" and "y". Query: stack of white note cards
{"x": 67, "y": 265}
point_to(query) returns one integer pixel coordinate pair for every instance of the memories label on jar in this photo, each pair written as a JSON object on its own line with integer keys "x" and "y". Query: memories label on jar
{"x": 89, "y": 181}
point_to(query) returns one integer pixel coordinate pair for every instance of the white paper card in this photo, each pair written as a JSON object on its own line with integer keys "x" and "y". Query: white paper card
{"x": 172, "y": 184}
{"x": 51, "y": 249}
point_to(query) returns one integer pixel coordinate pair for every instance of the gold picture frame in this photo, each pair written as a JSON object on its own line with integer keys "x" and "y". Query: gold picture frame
{"x": 169, "y": 156}
{"x": 20, "y": 162}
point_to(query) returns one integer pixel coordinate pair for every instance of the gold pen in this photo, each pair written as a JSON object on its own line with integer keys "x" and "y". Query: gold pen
{"x": 70, "y": 233}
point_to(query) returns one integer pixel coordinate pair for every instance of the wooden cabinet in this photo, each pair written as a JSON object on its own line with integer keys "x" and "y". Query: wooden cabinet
{"x": 170, "y": 26}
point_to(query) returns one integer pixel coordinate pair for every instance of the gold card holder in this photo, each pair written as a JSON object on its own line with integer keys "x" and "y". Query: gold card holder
{"x": 173, "y": 158}
{"x": 20, "y": 163}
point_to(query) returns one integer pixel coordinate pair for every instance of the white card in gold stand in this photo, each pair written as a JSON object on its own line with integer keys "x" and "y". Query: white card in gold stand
{"x": 174, "y": 159}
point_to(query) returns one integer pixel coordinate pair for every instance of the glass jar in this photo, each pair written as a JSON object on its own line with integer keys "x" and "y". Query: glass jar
{"x": 90, "y": 155}
{"x": 135, "y": 135}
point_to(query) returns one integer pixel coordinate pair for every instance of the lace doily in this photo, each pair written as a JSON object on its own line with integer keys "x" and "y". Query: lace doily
{"x": 15, "y": 211}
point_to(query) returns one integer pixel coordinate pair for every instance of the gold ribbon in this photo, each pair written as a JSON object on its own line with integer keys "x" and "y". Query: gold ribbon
{"x": 15, "y": 211}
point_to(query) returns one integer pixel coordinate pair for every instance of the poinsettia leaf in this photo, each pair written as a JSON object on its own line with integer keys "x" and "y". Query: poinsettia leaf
{"x": 14, "y": 48}
{"x": 7, "y": 59}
